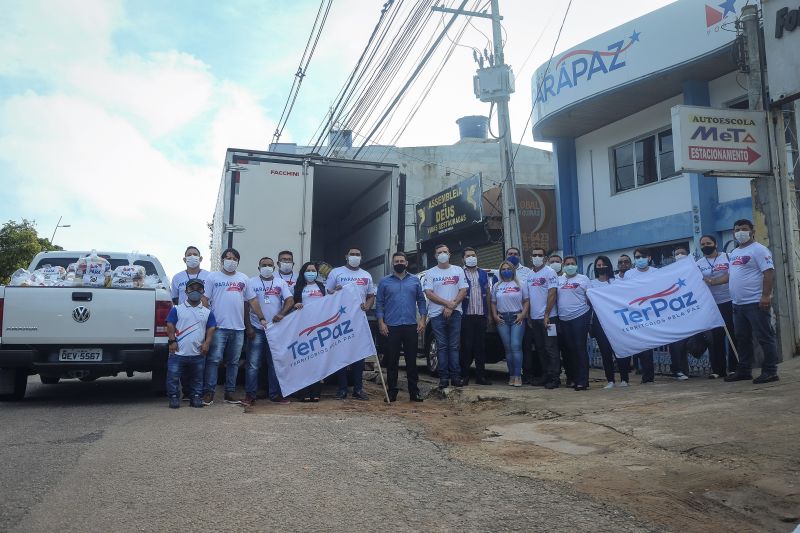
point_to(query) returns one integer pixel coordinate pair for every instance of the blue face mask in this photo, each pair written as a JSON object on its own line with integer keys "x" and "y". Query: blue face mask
{"x": 513, "y": 259}
{"x": 641, "y": 262}
{"x": 506, "y": 273}
{"x": 310, "y": 276}
{"x": 571, "y": 270}
{"x": 194, "y": 296}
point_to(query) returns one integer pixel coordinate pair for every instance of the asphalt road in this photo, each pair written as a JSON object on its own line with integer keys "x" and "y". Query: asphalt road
{"x": 108, "y": 456}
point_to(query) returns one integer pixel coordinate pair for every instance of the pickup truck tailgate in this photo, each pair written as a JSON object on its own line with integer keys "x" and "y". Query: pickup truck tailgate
{"x": 62, "y": 315}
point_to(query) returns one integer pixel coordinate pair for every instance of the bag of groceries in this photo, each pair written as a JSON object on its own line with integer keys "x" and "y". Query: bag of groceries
{"x": 128, "y": 276}
{"x": 95, "y": 270}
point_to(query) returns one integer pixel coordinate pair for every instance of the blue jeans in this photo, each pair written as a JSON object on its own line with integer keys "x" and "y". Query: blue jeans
{"x": 187, "y": 369}
{"x": 356, "y": 372}
{"x": 749, "y": 321}
{"x": 511, "y": 334}
{"x": 228, "y": 343}
{"x": 447, "y": 332}
{"x": 257, "y": 352}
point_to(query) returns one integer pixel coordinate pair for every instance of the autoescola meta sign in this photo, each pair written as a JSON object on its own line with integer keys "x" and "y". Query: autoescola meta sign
{"x": 720, "y": 140}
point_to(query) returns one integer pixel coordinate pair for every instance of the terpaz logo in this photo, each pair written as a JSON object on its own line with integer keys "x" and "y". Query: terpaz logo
{"x": 716, "y": 13}
{"x": 327, "y": 333}
{"x": 657, "y": 308}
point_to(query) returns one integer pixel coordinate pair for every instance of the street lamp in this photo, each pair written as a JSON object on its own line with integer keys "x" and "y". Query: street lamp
{"x": 58, "y": 225}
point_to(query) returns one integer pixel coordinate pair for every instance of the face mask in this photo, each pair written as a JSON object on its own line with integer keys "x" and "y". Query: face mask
{"x": 194, "y": 296}
{"x": 742, "y": 236}
{"x": 678, "y": 257}
{"x": 537, "y": 261}
{"x": 192, "y": 261}
{"x": 354, "y": 261}
{"x": 708, "y": 250}
{"x": 443, "y": 257}
{"x": 230, "y": 265}
{"x": 571, "y": 270}
{"x": 556, "y": 267}
{"x": 399, "y": 268}
{"x": 513, "y": 259}
{"x": 471, "y": 261}
{"x": 602, "y": 271}
{"x": 266, "y": 271}
{"x": 506, "y": 273}
{"x": 310, "y": 276}
{"x": 285, "y": 268}
{"x": 641, "y": 262}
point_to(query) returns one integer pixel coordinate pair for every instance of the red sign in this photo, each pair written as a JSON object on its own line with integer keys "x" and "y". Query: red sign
{"x": 731, "y": 155}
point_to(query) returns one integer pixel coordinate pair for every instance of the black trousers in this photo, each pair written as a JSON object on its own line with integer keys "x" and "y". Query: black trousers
{"x": 679, "y": 357}
{"x": 719, "y": 343}
{"x": 547, "y": 349}
{"x": 646, "y": 364}
{"x": 608, "y": 354}
{"x": 401, "y": 338}
{"x": 473, "y": 344}
{"x": 531, "y": 366}
{"x": 567, "y": 362}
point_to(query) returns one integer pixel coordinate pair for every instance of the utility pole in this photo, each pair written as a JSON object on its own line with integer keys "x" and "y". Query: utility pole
{"x": 767, "y": 191}
{"x": 495, "y": 84}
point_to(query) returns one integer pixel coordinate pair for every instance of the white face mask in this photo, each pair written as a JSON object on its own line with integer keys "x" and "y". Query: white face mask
{"x": 354, "y": 260}
{"x": 286, "y": 268}
{"x": 556, "y": 266}
{"x": 192, "y": 261}
{"x": 230, "y": 265}
{"x": 537, "y": 261}
{"x": 471, "y": 261}
{"x": 443, "y": 257}
{"x": 678, "y": 257}
{"x": 266, "y": 271}
{"x": 742, "y": 236}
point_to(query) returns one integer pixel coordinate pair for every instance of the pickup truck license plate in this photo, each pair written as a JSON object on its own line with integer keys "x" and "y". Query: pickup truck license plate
{"x": 80, "y": 354}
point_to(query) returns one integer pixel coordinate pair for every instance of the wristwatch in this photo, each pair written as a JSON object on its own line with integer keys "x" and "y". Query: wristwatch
{"x": 171, "y": 341}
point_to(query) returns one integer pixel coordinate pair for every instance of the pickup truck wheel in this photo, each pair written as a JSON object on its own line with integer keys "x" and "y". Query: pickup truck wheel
{"x": 158, "y": 380}
{"x": 49, "y": 380}
{"x": 432, "y": 356}
{"x": 17, "y": 378}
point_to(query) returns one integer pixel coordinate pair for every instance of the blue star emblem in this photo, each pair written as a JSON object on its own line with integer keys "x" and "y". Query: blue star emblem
{"x": 635, "y": 36}
{"x": 728, "y": 6}
{"x": 342, "y": 310}
{"x": 681, "y": 282}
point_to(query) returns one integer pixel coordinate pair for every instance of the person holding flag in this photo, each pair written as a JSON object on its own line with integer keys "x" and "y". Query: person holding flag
{"x": 642, "y": 260}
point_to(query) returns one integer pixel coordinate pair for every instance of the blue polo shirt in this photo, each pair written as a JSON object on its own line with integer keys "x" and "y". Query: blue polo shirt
{"x": 398, "y": 300}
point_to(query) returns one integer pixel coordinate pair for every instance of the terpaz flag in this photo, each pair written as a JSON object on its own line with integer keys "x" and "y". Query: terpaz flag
{"x": 647, "y": 312}
{"x": 327, "y": 334}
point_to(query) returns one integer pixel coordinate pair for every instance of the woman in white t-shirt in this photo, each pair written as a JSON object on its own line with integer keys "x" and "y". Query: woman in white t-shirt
{"x": 604, "y": 276}
{"x": 574, "y": 314}
{"x": 509, "y": 310}
{"x": 307, "y": 289}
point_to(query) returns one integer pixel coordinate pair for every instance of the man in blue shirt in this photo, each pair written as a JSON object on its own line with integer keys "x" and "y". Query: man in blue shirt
{"x": 399, "y": 298}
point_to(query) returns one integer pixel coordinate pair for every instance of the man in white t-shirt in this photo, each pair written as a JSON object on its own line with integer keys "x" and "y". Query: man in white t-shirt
{"x": 352, "y": 273}
{"x": 225, "y": 294}
{"x": 192, "y": 258}
{"x": 445, "y": 286}
{"x": 642, "y": 269}
{"x": 276, "y": 300}
{"x": 541, "y": 289}
{"x": 286, "y": 268}
{"x": 752, "y": 277}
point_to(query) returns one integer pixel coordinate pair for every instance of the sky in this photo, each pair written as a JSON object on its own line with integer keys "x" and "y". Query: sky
{"x": 116, "y": 115}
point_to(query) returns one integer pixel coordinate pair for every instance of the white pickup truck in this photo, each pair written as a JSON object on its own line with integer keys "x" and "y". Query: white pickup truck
{"x": 82, "y": 332}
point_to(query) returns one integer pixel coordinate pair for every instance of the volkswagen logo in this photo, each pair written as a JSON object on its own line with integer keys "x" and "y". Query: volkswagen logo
{"x": 81, "y": 314}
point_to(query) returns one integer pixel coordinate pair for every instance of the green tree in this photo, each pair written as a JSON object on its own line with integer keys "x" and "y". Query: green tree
{"x": 19, "y": 243}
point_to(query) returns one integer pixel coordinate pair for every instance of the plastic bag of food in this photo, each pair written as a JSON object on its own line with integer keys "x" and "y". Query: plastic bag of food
{"x": 51, "y": 274}
{"x": 20, "y": 278}
{"x": 128, "y": 276}
{"x": 153, "y": 282}
{"x": 95, "y": 270}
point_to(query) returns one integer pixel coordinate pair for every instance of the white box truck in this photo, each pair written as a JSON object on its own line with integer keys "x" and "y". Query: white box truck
{"x": 316, "y": 207}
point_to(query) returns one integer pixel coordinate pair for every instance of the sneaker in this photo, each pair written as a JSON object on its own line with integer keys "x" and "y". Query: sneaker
{"x": 680, "y": 376}
{"x": 360, "y": 395}
{"x": 550, "y": 385}
{"x": 766, "y": 378}
{"x": 484, "y": 381}
{"x": 609, "y": 385}
{"x": 341, "y": 395}
{"x": 511, "y": 381}
{"x": 713, "y": 376}
{"x": 518, "y": 381}
{"x": 174, "y": 402}
{"x": 231, "y": 398}
{"x": 248, "y": 401}
{"x": 623, "y": 384}
{"x": 738, "y": 377}
{"x": 283, "y": 401}
{"x": 648, "y": 382}
{"x": 457, "y": 382}
{"x": 444, "y": 384}
{"x": 208, "y": 398}
{"x": 197, "y": 401}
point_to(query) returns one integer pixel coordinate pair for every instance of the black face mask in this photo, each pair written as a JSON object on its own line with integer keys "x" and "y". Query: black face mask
{"x": 602, "y": 271}
{"x": 708, "y": 250}
{"x": 399, "y": 268}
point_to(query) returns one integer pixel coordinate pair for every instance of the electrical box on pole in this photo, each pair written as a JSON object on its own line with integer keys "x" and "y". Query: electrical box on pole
{"x": 493, "y": 83}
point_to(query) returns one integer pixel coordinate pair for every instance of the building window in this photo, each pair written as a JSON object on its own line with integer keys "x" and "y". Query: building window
{"x": 643, "y": 161}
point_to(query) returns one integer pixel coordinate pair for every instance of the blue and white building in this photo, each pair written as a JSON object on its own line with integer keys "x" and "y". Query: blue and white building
{"x": 605, "y": 105}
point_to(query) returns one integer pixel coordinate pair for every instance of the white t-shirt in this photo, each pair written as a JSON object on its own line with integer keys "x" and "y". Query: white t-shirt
{"x": 522, "y": 273}
{"x": 271, "y": 294}
{"x": 715, "y": 268}
{"x": 311, "y": 291}
{"x": 290, "y": 278}
{"x": 747, "y": 266}
{"x": 178, "y": 285}
{"x": 509, "y": 296}
{"x": 635, "y": 273}
{"x": 227, "y": 295}
{"x": 445, "y": 283}
{"x": 597, "y": 284}
{"x": 572, "y": 301}
{"x": 538, "y": 285}
{"x": 343, "y": 276}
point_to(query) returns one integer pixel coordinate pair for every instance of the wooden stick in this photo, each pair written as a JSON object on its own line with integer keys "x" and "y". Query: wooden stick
{"x": 733, "y": 344}
{"x": 380, "y": 373}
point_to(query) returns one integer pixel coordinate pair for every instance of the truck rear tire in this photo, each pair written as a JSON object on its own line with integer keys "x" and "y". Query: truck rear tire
{"x": 49, "y": 380}
{"x": 432, "y": 356}
{"x": 158, "y": 380}
{"x": 17, "y": 378}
